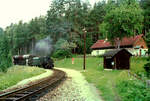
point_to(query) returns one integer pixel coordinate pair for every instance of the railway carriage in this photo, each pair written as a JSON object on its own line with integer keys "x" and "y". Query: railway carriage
{"x": 32, "y": 60}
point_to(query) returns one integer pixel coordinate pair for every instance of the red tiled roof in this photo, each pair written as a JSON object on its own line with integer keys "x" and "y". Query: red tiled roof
{"x": 126, "y": 41}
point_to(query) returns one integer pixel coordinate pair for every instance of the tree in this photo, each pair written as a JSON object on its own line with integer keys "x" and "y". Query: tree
{"x": 37, "y": 30}
{"x": 23, "y": 36}
{"x": 145, "y": 4}
{"x": 147, "y": 65}
{"x": 5, "y": 53}
{"x": 1, "y": 31}
{"x": 10, "y": 32}
{"x": 126, "y": 2}
{"x": 96, "y": 17}
{"x": 57, "y": 25}
{"x": 64, "y": 45}
{"x": 123, "y": 21}
{"x": 65, "y": 20}
{"x": 63, "y": 48}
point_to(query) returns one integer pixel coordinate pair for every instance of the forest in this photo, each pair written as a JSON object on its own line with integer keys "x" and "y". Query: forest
{"x": 67, "y": 21}
{"x": 64, "y": 28}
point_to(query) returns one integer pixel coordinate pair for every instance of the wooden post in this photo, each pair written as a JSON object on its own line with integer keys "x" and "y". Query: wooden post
{"x": 12, "y": 40}
{"x": 104, "y": 62}
{"x": 129, "y": 63}
{"x": 115, "y": 63}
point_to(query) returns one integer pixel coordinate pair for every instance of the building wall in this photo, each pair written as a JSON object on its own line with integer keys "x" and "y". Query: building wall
{"x": 135, "y": 52}
{"x": 99, "y": 52}
{"x": 140, "y": 42}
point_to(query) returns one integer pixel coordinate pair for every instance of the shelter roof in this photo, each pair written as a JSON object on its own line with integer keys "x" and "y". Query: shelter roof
{"x": 112, "y": 53}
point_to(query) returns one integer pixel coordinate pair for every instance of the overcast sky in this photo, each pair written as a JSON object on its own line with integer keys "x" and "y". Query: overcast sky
{"x": 12, "y": 11}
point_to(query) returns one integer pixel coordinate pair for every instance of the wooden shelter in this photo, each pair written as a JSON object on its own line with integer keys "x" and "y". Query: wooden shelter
{"x": 117, "y": 59}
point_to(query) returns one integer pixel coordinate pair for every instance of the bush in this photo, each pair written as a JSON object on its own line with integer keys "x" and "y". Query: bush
{"x": 62, "y": 54}
{"x": 133, "y": 90}
{"x": 147, "y": 66}
{"x": 147, "y": 69}
{"x": 137, "y": 64}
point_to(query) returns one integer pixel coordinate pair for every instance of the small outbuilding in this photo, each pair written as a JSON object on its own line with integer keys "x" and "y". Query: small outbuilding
{"x": 117, "y": 59}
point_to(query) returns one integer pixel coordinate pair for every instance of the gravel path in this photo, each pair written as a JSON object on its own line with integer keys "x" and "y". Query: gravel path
{"x": 74, "y": 88}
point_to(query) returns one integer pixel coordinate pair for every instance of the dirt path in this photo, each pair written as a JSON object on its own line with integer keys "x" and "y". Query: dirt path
{"x": 74, "y": 88}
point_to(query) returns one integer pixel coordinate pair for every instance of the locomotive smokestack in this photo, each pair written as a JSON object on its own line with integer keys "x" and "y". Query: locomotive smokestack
{"x": 43, "y": 47}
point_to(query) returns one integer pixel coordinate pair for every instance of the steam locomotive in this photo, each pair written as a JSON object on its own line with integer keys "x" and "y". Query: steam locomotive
{"x": 31, "y": 60}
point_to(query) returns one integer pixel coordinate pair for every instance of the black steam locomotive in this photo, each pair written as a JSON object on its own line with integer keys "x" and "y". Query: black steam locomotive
{"x": 31, "y": 60}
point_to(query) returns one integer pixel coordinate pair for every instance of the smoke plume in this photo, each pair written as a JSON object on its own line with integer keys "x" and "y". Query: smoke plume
{"x": 43, "y": 47}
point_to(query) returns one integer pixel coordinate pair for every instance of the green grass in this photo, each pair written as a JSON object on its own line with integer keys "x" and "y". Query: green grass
{"x": 16, "y": 74}
{"x": 78, "y": 63}
{"x": 137, "y": 64}
{"x": 105, "y": 81}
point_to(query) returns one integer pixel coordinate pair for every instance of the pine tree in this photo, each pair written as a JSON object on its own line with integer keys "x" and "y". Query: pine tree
{"x": 1, "y": 31}
{"x": 5, "y": 53}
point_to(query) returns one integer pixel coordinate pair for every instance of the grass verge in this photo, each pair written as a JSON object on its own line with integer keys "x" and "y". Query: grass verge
{"x": 105, "y": 81}
{"x": 16, "y": 74}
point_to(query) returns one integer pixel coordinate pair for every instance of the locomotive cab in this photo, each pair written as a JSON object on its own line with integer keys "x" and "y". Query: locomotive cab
{"x": 47, "y": 62}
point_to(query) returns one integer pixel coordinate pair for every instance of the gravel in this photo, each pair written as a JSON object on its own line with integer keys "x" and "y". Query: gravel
{"x": 74, "y": 88}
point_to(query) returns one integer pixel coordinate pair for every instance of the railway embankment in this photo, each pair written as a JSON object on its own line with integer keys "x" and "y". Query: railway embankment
{"x": 20, "y": 76}
{"x": 33, "y": 79}
{"x": 34, "y": 91}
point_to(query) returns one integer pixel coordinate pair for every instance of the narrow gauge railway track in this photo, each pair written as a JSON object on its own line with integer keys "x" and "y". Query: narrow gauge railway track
{"x": 27, "y": 92}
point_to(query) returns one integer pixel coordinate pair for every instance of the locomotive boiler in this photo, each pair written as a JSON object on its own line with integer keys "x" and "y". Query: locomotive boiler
{"x": 32, "y": 60}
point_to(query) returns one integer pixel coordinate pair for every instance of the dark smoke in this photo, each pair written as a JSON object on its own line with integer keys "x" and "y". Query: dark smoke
{"x": 43, "y": 47}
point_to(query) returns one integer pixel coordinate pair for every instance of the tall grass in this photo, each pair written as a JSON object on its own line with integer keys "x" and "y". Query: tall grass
{"x": 137, "y": 64}
{"x": 16, "y": 74}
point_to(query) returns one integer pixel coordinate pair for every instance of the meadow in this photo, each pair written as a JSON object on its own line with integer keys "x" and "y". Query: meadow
{"x": 113, "y": 85}
{"x": 16, "y": 74}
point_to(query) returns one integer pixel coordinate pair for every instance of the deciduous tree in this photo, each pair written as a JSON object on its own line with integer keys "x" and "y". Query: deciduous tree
{"x": 123, "y": 21}
{"x": 145, "y": 4}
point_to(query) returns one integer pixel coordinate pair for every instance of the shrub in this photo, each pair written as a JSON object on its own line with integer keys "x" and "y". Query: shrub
{"x": 133, "y": 90}
{"x": 147, "y": 69}
{"x": 147, "y": 66}
{"x": 62, "y": 54}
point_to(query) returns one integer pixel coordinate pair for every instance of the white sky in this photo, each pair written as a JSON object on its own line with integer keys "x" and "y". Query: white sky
{"x": 12, "y": 11}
